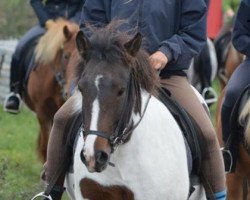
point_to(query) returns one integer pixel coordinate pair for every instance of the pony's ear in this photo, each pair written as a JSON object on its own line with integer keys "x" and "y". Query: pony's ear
{"x": 134, "y": 44}
{"x": 67, "y": 32}
{"x": 82, "y": 43}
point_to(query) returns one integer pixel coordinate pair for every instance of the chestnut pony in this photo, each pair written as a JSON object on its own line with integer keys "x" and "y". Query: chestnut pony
{"x": 47, "y": 84}
{"x": 130, "y": 146}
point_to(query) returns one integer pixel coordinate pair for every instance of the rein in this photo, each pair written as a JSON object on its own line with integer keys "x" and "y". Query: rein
{"x": 60, "y": 76}
{"x": 125, "y": 126}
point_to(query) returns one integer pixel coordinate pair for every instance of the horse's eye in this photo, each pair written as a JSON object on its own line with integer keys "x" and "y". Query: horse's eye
{"x": 121, "y": 92}
{"x": 80, "y": 88}
{"x": 67, "y": 56}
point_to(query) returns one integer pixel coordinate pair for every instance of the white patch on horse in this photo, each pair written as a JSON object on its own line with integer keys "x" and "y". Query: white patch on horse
{"x": 90, "y": 140}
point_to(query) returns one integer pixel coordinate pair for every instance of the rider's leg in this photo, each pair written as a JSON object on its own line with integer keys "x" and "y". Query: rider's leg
{"x": 212, "y": 165}
{"x": 13, "y": 100}
{"x": 56, "y": 149}
{"x": 236, "y": 84}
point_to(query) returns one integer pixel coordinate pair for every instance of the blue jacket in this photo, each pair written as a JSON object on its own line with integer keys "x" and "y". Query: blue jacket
{"x": 241, "y": 32}
{"x": 178, "y": 30}
{"x": 52, "y": 9}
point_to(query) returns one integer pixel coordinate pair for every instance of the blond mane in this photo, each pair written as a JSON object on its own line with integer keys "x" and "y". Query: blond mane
{"x": 53, "y": 40}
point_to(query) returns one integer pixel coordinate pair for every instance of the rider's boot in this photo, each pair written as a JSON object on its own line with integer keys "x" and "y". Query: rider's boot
{"x": 12, "y": 103}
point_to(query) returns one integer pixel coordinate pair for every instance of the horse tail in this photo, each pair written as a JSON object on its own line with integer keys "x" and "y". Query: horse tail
{"x": 244, "y": 120}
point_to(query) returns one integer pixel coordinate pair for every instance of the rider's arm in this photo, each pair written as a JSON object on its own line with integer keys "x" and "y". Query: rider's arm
{"x": 96, "y": 12}
{"x": 241, "y": 32}
{"x": 38, "y": 7}
{"x": 190, "y": 37}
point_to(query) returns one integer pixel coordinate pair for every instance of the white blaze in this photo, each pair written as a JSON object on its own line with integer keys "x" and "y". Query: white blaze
{"x": 90, "y": 140}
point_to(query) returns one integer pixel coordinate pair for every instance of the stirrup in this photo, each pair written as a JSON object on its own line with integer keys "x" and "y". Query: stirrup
{"x": 209, "y": 90}
{"x": 229, "y": 154}
{"x": 41, "y": 194}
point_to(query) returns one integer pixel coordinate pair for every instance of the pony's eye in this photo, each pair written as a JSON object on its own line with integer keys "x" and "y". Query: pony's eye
{"x": 121, "y": 92}
{"x": 67, "y": 56}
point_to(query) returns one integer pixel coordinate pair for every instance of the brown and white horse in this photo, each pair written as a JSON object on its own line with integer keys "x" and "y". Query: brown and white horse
{"x": 47, "y": 83}
{"x": 130, "y": 147}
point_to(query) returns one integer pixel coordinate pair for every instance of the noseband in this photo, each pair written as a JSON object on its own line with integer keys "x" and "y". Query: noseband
{"x": 125, "y": 125}
{"x": 60, "y": 75}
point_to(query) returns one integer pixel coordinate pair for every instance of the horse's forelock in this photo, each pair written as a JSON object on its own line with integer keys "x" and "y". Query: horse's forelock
{"x": 53, "y": 40}
{"x": 108, "y": 42}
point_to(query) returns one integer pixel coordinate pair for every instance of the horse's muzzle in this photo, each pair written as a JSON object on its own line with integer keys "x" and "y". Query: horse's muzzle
{"x": 101, "y": 161}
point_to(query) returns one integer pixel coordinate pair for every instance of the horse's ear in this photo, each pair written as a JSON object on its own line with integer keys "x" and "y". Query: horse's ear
{"x": 67, "y": 32}
{"x": 82, "y": 44}
{"x": 134, "y": 44}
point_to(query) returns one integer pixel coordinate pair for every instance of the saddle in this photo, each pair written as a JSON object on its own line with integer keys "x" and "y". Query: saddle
{"x": 237, "y": 128}
{"x": 188, "y": 126}
{"x": 189, "y": 129}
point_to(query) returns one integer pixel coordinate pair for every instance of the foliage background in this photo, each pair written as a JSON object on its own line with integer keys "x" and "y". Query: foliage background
{"x": 16, "y": 17}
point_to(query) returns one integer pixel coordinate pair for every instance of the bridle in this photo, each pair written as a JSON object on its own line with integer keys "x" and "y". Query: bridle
{"x": 60, "y": 75}
{"x": 125, "y": 125}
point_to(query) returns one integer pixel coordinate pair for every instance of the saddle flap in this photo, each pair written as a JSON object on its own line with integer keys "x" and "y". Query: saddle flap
{"x": 188, "y": 127}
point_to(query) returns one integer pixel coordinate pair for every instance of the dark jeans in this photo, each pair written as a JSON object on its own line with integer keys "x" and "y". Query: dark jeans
{"x": 23, "y": 44}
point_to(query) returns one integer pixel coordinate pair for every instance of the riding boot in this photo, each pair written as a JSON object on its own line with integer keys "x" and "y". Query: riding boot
{"x": 229, "y": 151}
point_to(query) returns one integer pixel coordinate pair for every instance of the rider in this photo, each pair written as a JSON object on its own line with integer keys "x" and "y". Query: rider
{"x": 175, "y": 31}
{"x": 47, "y": 11}
{"x": 239, "y": 79}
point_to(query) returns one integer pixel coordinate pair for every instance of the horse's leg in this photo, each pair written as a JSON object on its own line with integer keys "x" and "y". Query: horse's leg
{"x": 234, "y": 186}
{"x": 45, "y": 122}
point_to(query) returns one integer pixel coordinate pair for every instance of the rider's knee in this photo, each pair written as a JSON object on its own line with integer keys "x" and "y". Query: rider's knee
{"x": 209, "y": 137}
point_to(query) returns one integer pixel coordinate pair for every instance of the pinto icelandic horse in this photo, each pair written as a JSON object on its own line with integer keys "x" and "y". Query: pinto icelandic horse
{"x": 130, "y": 146}
{"x": 47, "y": 84}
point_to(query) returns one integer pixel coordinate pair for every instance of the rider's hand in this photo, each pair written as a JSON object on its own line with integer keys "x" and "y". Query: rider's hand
{"x": 49, "y": 23}
{"x": 230, "y": 13}
{"x": 158, "y": 60}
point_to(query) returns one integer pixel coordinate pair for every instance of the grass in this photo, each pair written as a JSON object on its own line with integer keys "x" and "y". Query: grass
{"x": 19, "y": 165}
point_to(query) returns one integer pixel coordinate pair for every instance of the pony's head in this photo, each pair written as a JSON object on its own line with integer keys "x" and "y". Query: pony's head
{"x": 114, "y": 72}
{"x": 59, "y": 36}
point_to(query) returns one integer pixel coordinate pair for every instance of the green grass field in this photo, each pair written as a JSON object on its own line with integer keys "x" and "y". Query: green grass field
{"x": 19, "y": 165}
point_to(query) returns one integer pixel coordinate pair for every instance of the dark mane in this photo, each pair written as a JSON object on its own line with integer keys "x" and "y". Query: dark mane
{"x": 108, "y": 43}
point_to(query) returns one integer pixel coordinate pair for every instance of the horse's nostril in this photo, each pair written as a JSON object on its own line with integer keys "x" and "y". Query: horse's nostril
{"x": 101, "y": 157}
{"x": 83, "y": 157}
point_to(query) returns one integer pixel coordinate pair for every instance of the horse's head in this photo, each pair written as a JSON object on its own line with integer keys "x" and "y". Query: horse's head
{"x": 55, "y": 49}
{"x": 115, "y": 71}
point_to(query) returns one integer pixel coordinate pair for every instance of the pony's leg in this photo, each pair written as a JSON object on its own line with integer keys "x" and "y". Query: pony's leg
{"x": 45, "y": 127}
{"x": 234, "y": 186}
